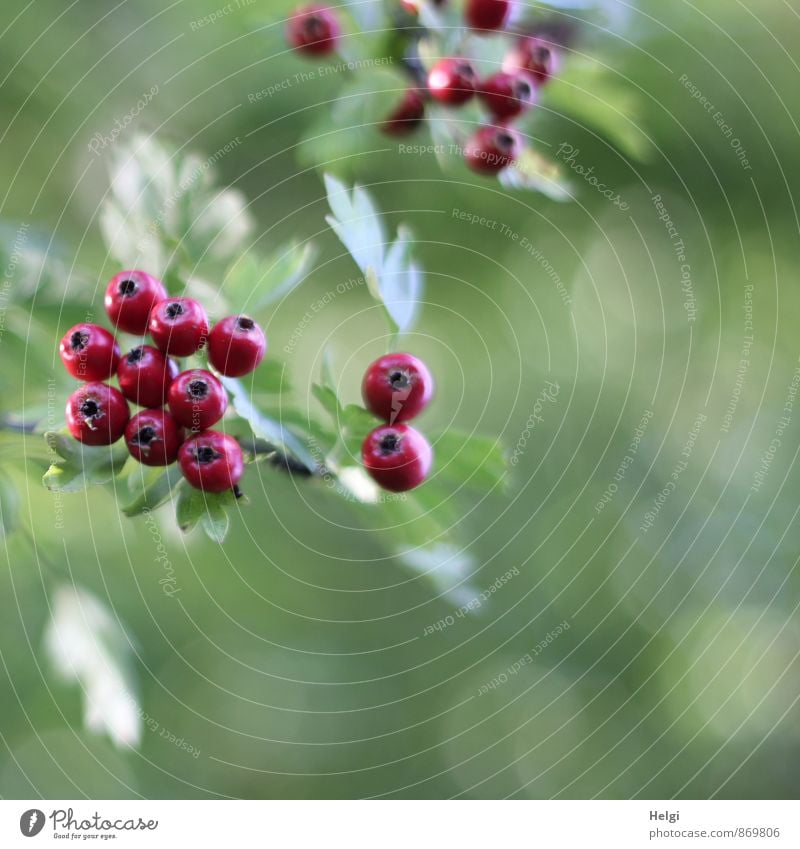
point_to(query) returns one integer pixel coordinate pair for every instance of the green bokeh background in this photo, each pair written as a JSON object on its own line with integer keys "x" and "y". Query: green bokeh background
{"x": 294, "y": 657}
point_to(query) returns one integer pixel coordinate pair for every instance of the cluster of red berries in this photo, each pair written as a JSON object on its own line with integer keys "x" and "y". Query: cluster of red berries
{"x": 453, "y": 81}
{"x": 98, "y": 414}
{"x": 397, "y": 388}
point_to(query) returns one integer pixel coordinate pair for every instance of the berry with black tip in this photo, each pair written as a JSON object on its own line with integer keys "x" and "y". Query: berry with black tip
{"x": 211, "y": 461}
{"x": 508, "y": 95}
{"x": 313, "y": 29}
{"x": 179, "y": 326}
{"x": 538, "y": 57}
{"x": 130, "y": 296}
{"x": 236, "y": 345}
{"x": 406, "y": 116}
{"x": 89, "y": 352}
{"x": 397, "y": 457}
{"x": 197, "y": 399}
{"x": 97, "y": 414}
{"x": 452, "y": 81}
{"x": 153, "y": 438}
{"x": 487, "y": 14}
{"x": 145, "y": 375}
{"x": 492, "y": 149}
{"x": 397, "y": 387}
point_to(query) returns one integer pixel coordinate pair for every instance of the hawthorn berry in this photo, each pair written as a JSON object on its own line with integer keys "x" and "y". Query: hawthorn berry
{"x": 487, "y": 14}
{"x": 313, "y": 29}
{"x": 97, "y": 414}
{"x": 153, "y": 438}
{"x": 534, "y": 55}
{"x": 130, "y": 296}
{"x": 508, "y": 95}
{"x": 452, "y": 81}
{"x": 491, "y": 149}
{"x": 89, "y": 352}
{"x": 236, "y": 345}
{"x": 145, "y": 375}
{"x": 211, "y": 461}
{"x": 397, "y": 457}
{"x": 406, "y": 116}
{"x": 197, "y": 399}
{"x": 179, "y": 326}
{"x": 397, "y": 387}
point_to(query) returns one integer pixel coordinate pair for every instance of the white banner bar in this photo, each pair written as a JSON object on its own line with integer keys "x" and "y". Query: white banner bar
{"x": 403, "y": 824}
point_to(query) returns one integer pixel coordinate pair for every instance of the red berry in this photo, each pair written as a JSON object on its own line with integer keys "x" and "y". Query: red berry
{"x": 538, "y": 57}
{"x": 129, "y": 298}
{"x": 197, "y": 399}
{"x": 406, "y": 116}
{"x": 179, "y": 326}
{"x": 145, "y": 375}
{"x": 452, "y": 81}
{"x": 313, "y": 29}
{"x": 397, "y": 387}
{"x": 97, "y": 414}
{"x": 397, "y": 457}
{"x": 89, "y": 352}
{"x": 211, "y": 461}
{"x": 507, "y": 95}
{"x": 153, "y": 438}
{"x": 491, "y": 149}
{"x": 487, "y": 14}
{"x": 236, "y": 345}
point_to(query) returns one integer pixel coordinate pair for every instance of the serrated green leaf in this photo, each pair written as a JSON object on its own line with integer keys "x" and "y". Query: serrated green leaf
{"x": 264, "y": 426}
{"x": 469, "y": 460}
{"x": 158, "y": 489}
{"x": 80, "y": 466}
{"x": 356, "y": 221}
{"x": 216, "y": 521}
{"x": 189, "y": 508}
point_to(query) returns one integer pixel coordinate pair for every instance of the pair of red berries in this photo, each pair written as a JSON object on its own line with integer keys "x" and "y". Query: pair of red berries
{"x": 98, "y": 414}
{"x": 396, "y": 388}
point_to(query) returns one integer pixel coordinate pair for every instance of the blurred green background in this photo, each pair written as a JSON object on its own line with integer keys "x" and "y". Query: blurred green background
{"x": 298, "y": 657}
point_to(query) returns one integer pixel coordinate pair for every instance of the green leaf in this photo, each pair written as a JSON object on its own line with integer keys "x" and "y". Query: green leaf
{"x": 393, "y": 278}
{"x": 356, "y": 221}
{"x": 266, "y": 427}
{"x": 534, "y": 172}
{"x": 157, "y": 490}
{"x": 327, "y": 397}
{"x": 216, "y": 521}
{"x": 81, "y": 466}
{"x": 469, "y": 460}
{"x": 254, "y": 282}
{"x": 190, "y": 508}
